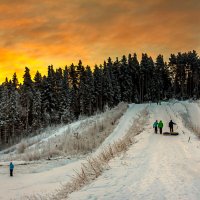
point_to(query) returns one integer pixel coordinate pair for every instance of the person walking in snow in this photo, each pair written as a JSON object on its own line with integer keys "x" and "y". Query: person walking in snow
{"x": 160, "y": 126}
{"x": 155, "y": 126}
{"x": 171, "y": 124}
{"x": 11, "y": 168}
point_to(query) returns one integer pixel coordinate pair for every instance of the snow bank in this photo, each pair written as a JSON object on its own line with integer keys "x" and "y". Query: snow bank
{"x": 132, "y": 113}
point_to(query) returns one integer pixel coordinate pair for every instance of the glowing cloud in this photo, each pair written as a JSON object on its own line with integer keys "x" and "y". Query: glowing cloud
{"x": 39, "y": 33}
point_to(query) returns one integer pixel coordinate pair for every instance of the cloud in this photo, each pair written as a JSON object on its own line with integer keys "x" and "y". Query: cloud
{"x": 60, "y": 32}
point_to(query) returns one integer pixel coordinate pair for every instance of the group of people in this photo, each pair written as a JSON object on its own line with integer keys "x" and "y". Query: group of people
{"x": 159, "y": 125}
{"x": 156, "y": 125}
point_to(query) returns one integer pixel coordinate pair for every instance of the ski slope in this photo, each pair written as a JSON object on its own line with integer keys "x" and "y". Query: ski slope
{"x": 156, "y": 167}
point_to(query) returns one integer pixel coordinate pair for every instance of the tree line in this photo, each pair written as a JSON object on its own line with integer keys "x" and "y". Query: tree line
{"x": 63, "y": 95}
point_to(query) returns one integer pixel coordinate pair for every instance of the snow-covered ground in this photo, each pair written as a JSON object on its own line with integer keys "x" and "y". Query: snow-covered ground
{"x": 49, "y": 133}
{"x": 124, "y": 125}
{"x": 45, "y": 176}
{"x": 156, "y": 167}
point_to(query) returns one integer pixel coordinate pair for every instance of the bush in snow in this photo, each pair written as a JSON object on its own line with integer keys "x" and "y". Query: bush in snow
{"x": 92, "y": 134}
{"x": 196, "y": 130}
{"x": 95, "y": 166}
{"x": 22, "y": 146}
{"x": 88, "y": 136}
{"x": 190, "y": 125}
{"x": 30, "y": 156}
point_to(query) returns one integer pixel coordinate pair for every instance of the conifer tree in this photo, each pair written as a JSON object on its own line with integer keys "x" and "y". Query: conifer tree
{"x": 107, "y": 94}
{"x": 114, "y": 73}
{"x": 126, "y": 80}
{"x": 67, "y": 114}
{"x": 135, "y": 73}
{"x": 37, "y": 110}
{"x": 89, "y": 91}
{"x": 193, "y": 74}
{"x": 38, "y": 81}
{"x": 98, "y": 88}
{"x": 74, "y": 84}
{"x": 15, "y": 82}
{"x": 27, "y": 93}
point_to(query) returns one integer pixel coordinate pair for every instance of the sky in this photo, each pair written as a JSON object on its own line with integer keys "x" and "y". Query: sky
{"x": 35, "y": 33}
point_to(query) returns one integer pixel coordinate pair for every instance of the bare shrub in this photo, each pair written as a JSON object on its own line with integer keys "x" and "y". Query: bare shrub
{"x": 47, "y": 152}
{"x": 22, "y": 146}
{"x": 82, "y": 140}
{"x": 90, "y": 136}
{"x": 36, "y": 197}
{"x": 94, "y": 166}
{"x": 196, "y": 130}
{"x": 190, "y": 125}
{"x": 95, "y": 133}
{"x": 30, "y": 156}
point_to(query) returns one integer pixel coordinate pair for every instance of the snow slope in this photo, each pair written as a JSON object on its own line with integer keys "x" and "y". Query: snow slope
{"x": 49, "y": 133}
{"x": 51, "y": 136}
{"x": 156, "y": 167}
{"x": 124, "y": 125}
{"x": 38, "y": 178}
{"x": 42, "y": 178}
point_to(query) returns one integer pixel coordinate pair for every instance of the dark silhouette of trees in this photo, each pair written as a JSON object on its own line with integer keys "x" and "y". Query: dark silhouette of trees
{"x": 64, "y": 94}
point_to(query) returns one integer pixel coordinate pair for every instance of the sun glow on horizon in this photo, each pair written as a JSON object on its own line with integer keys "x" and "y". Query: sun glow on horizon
{"x": 64, "y": 32}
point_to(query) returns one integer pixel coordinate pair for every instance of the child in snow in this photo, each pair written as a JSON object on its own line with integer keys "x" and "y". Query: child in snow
{"x": 11, "y": 168}
{"x": 171, "y": 123}
{"x": 155, "y": 126}
{"x": 160, "y": 126}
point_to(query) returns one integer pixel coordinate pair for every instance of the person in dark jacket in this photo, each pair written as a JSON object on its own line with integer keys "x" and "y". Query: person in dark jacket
{"x": 160, "y": 126}
{"x": 155, "y": 126}
{"x": 11, "y": 168}
{"x": 171, "y": 124}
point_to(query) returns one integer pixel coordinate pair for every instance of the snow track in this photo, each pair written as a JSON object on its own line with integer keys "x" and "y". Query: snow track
{"x": 156, "y": 167}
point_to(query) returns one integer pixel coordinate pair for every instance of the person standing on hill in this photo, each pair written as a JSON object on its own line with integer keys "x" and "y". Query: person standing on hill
{"x": 155, "y": 126}
{"x": 171, "y": 124}
{"x": 160, "y": 126}
{"x": 11, "y": 168}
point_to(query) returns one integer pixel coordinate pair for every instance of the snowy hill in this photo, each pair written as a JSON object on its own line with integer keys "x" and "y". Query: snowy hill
{"x": 157, "y": 166}
{"x": 154, "y": 167}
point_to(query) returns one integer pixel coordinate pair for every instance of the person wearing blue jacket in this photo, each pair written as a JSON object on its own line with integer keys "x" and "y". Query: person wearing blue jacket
{"x": 11, "y": 168}
{"x": 155, "y": 126}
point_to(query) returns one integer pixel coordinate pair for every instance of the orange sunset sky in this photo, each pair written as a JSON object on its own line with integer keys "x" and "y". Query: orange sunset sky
{"x": 38, "y": 33}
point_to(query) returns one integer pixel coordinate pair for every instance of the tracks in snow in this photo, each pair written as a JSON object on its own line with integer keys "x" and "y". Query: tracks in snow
{"x": 157, "y": 167}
